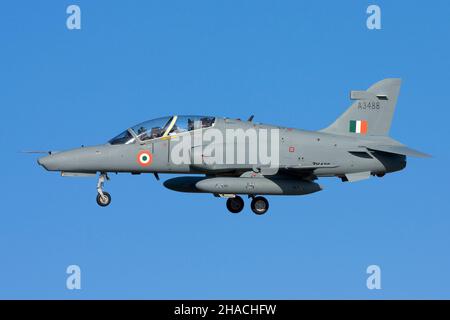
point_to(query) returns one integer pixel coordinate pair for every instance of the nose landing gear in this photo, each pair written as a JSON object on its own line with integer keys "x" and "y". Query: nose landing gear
{"x": 103, "y": 200}
{"x": 103, "y": 197}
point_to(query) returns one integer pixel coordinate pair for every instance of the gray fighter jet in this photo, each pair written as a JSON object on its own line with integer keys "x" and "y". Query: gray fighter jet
{"x": 231, "y": 157}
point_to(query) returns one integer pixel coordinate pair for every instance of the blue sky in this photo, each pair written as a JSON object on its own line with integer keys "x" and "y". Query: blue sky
{"x": 291, "y": 63}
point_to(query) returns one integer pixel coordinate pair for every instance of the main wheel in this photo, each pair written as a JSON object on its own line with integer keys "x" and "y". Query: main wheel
{"x": 235, "y": 205}
{"x": 259, "y": 205}
{"x": 105, "y": 200}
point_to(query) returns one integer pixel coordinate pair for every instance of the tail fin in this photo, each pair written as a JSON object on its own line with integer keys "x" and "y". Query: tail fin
{"x": 372, "y": 112}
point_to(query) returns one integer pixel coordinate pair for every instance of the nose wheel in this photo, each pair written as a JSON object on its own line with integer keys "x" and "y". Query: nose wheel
{"x": 103, "y": 197}
{"x": 103, "y": 200}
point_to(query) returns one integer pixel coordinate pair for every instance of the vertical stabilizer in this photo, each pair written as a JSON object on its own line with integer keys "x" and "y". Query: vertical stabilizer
{"x": 372, "y": 111}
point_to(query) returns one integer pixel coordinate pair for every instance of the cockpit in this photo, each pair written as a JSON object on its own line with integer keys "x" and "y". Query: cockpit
{"x": 162, "y": 127}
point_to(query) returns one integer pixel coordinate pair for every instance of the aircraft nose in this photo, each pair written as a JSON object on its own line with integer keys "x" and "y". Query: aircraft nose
{"x": 54, "y": 161}
{"x": 85, "y": 159}
{"x": 45, "y": 162}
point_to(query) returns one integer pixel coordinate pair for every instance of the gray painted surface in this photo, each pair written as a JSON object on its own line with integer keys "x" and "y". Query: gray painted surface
{"x": 304, "y": 155}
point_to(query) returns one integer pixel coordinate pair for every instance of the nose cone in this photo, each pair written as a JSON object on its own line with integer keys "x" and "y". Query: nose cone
{"x": 55, "y": 162}
{"x": 46, "y": 162}
{"x": 86, "y": 159}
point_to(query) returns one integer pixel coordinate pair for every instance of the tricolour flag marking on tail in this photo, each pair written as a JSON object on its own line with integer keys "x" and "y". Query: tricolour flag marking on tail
{"x": 358, "y": 126}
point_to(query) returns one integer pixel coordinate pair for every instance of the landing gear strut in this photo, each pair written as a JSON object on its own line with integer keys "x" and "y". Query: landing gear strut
{"x": 103, "y": 197}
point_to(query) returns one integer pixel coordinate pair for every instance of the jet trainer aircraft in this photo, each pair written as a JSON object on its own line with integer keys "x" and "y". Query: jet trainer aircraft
{"x": 356, "y": 146}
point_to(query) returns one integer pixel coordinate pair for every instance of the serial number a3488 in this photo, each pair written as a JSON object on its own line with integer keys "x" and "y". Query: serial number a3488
{"x": 369, "y": 105}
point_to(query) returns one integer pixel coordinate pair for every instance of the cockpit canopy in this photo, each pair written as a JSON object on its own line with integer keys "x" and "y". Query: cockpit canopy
{"x": 160, "y": 127}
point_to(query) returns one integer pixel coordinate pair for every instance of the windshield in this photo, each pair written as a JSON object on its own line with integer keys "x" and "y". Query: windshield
{"x": 124, "y": 138}
{"x": 157, "y": 128}
{"x": 152, "y": 129}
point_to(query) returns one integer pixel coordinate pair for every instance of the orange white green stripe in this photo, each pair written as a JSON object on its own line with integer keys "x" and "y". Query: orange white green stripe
{"x": 358, "y": 126}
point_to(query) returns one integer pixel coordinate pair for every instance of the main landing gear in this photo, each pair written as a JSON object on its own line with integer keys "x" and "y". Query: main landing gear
{"x": 235, "y": 205}
{"x": 103, "y": 197}
{"x": 259, "y": 205}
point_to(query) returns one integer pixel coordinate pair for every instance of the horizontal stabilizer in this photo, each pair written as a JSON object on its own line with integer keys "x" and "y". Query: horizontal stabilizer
{"x": 399, "y": 149}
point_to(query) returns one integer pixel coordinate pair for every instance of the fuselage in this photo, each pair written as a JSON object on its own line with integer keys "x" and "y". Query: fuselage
{"x": 299, "y": 151}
